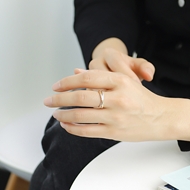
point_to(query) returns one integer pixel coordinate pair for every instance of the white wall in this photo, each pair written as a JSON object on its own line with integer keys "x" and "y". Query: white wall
{"x": 37, "y": 48}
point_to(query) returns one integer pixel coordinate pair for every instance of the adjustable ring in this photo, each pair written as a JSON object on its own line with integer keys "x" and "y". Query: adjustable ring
{"x": 101, "y": 94}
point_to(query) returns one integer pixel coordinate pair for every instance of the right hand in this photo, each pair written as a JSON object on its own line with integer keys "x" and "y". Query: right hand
{"x": 112, "y": 60}
{"x": 130, "y": 111}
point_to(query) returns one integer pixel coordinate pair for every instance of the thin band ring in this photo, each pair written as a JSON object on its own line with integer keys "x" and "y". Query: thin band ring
{"x": 101, "y": 94}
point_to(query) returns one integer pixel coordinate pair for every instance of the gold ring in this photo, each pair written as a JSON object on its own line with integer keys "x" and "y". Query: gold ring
{"x": 101, "y": 94}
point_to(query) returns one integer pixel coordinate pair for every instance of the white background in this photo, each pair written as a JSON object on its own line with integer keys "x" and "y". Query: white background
{"x": 37, "y": 47}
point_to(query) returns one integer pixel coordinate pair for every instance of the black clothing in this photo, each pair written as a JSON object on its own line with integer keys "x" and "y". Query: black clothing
{"x": 159, "y": 31}
{"x": 66, "y": 156}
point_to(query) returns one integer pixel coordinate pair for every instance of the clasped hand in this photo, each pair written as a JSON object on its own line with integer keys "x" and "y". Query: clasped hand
{"x": 130, "y": 113}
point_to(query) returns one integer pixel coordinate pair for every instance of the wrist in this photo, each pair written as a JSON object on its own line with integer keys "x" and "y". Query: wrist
{"x": 177, "y": 120}
{"x": 113, "y": 43}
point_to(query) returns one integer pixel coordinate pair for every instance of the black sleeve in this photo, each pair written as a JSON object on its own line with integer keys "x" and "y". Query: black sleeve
{"x": 97, "y": 20}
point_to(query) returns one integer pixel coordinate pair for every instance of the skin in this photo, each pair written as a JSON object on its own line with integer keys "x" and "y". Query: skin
{"x": 131, "y": 112}
{"x": 112, "y": 55}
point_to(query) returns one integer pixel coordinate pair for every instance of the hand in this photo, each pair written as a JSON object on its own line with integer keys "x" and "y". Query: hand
{"x": 112, "y": 60}
{"x": 130, "y": 113}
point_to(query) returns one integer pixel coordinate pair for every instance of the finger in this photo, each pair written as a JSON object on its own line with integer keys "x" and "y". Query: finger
{"x": 77, "y": 70}
{"x": 118, "y": 62}
{"x": 94, "y": 79}
{"x": 80, "y": 115}
{"x": 91, "y": 131}
{"x": 144, "y": 69}
{"x": 98, "y": 64}
{"x": 76, "y": 98}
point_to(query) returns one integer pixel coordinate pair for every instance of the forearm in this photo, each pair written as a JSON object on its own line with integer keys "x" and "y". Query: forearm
{"x": 114, "y": 43}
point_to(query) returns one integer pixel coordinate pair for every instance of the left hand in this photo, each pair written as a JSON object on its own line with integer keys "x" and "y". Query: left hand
{"x": 115, "y": 61}
{"x": 131, "y": 112}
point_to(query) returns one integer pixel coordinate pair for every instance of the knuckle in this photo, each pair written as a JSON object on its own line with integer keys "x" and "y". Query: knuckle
{"x": 117, "y": 118}
{"x": 107, "y": 51}
{"x": 118, "y": 79}
{"x": 92, "y": 64}
{"x": 122, "y": 80}
{"x": 86, "y": 78}
{"x": 80, "y": 97}
{"x": 121, "y": 102}
{"x": 120, "y": 54}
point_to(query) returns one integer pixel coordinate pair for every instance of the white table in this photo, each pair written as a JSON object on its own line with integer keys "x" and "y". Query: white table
{"x": 132, "y": 166}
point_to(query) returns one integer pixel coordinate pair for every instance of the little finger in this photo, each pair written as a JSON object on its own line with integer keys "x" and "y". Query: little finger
{"x": 80, "y": 115}
{"x": 87, "y": 130}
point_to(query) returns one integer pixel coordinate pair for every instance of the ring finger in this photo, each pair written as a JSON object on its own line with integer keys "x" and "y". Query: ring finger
{"x": 83, "y": 98}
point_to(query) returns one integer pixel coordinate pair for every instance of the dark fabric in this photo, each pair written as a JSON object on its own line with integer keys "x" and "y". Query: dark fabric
{"x": 96, "y": 20}
{"x": 163, "y": 37}
{"x": 157, "y": 30}
{"x": 66, "y": 156}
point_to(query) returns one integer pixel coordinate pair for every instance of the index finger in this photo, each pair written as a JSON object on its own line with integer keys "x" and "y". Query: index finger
{"x": 94, "y": 79}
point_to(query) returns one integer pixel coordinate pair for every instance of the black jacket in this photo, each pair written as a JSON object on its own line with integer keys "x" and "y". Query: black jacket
{"x": 158, "y": 31}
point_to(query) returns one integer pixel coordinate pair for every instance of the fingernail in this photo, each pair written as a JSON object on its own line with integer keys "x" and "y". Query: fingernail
{"x": 48, "y": 101}
{"x": 56, "y": 86}
{"x": 81, "y": 70}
